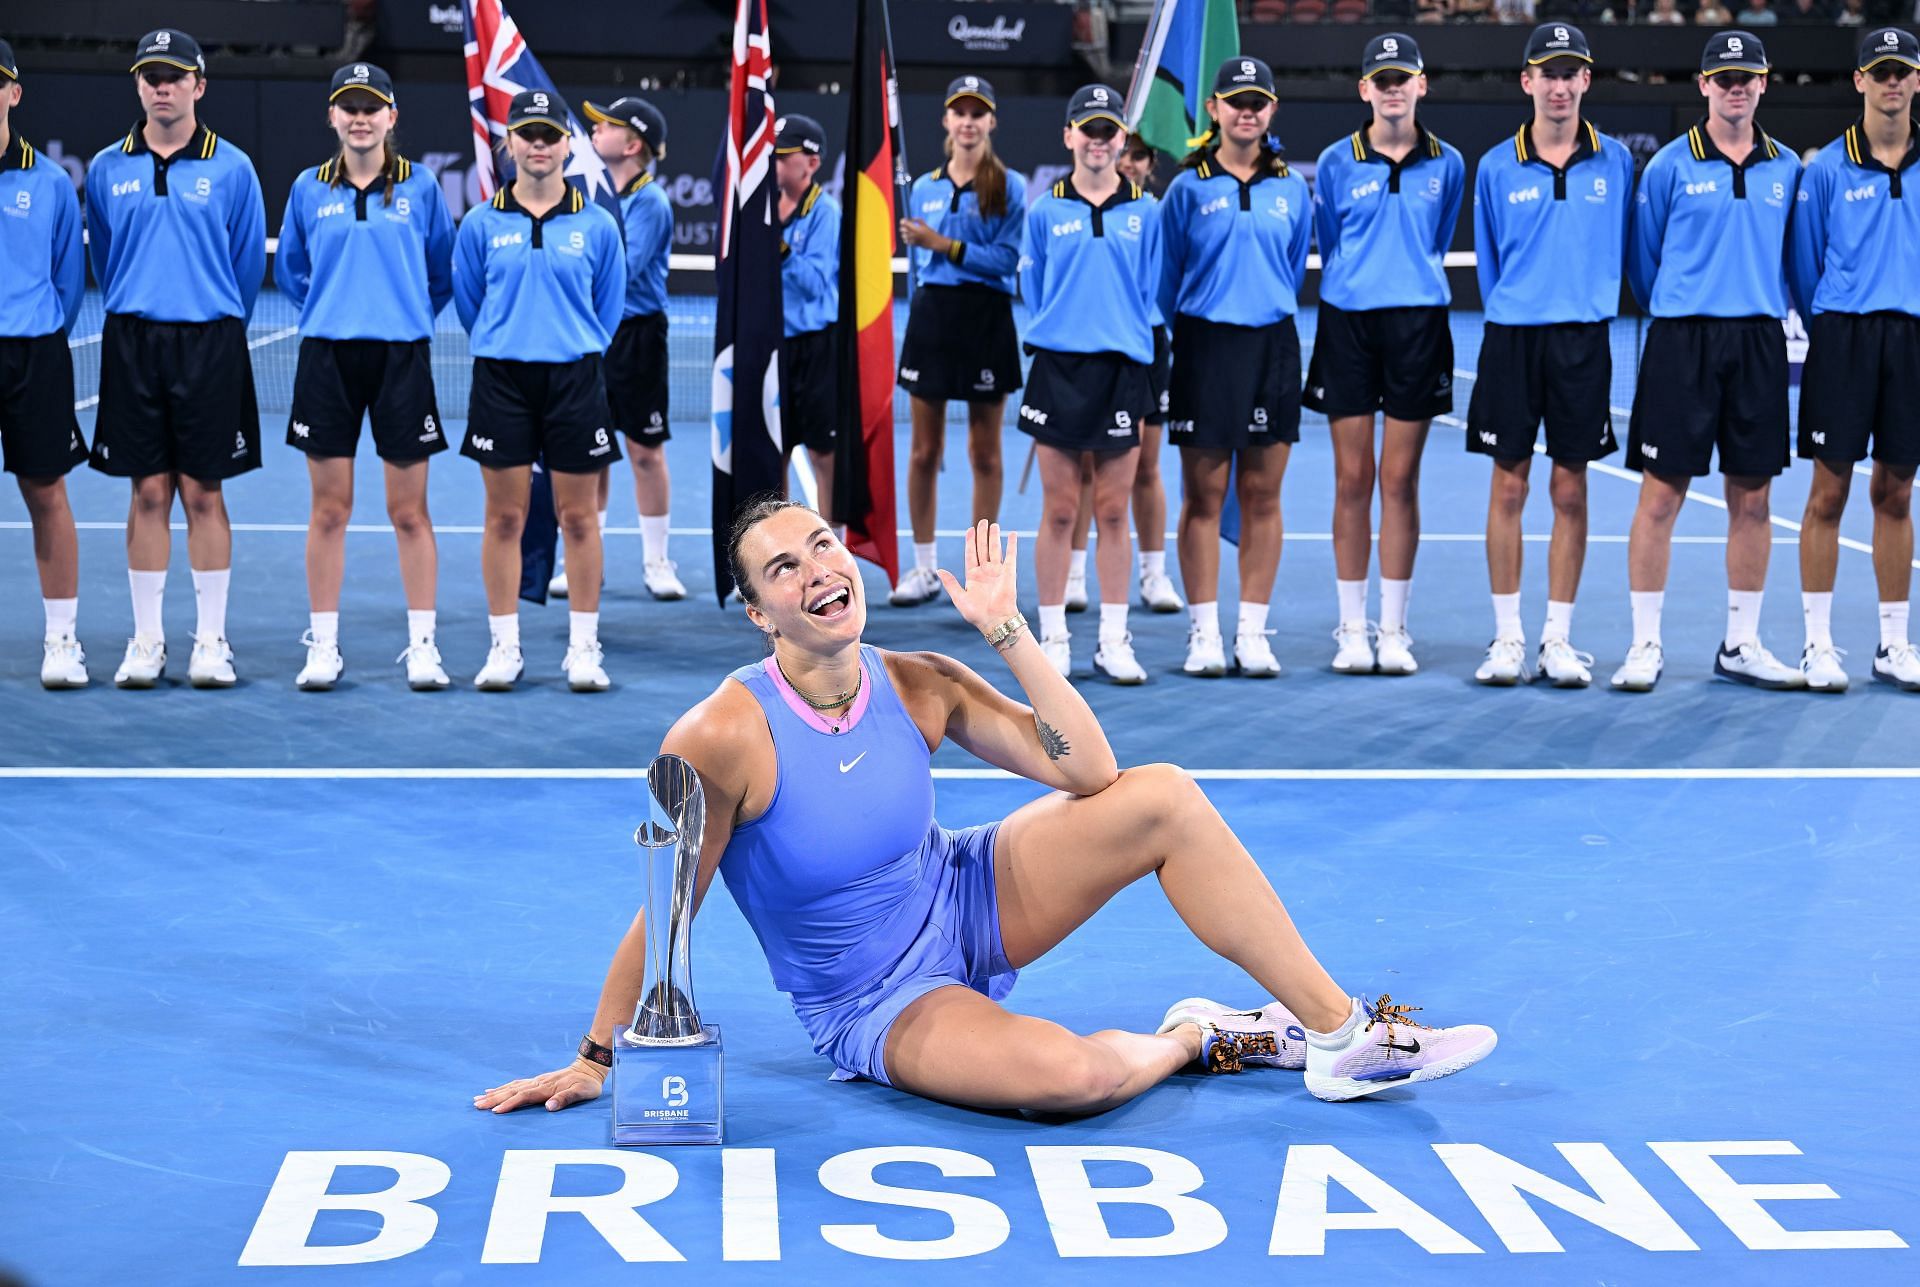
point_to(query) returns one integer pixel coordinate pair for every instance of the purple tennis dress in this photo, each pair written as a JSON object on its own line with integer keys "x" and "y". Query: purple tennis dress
{"x": 860, "y": 900}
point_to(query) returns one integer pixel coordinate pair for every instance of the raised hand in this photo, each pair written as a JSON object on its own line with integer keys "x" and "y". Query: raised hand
{"x": 989, "y": 595}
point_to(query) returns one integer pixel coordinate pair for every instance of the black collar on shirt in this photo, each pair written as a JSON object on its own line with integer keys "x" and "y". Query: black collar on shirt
{"x": 1586, "y": 144}
{"x": 1701, "y": 144}
{"x": 572, "y": 202}
{"x": 1860, "y": 152}
{"x": 17, "y": 157}
{"x": 1210, "y": 168}
{"x": 959, "y": 189}
{"x": 198, "y": 148}
{"x": 640, "y": 181}
{"x": 1127, "y": 191}
{"x": 332, "y": 172}
{"x": 804, "y": 206}
{"x": 1425, "y": 144}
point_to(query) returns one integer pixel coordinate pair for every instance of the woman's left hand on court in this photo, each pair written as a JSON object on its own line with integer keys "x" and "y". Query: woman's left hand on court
{"x": 989, "y": 596}
{"x": 577, "y": 1083}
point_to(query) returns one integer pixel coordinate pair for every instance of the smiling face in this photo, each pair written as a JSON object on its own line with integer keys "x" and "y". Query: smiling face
{"x": 1243, "y": 118}
{"x": 168, "y": 94}
{"x": 1557, "y": 88}
{"x": 361, "y": 121}
{"x": 968, "y": 122}
{"x": 802, "y": 586}
{"x": 1096, "y": 145}
{"x": 1733, "y": 96}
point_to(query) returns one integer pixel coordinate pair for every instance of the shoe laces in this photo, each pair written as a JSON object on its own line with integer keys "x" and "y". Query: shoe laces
{"x": 1903, "y": 652}
{"x": 425, "y": 651}
{"x": 309, "y": 641}
{"x": 1643, "y": 652}
{"x": 1514, "y": 650}
{"x": 586, "y": 652}
{"x": 1387, "y": 1013}
{"x": 215, "y": 644}
{"x": 1814, "y": 652}
{"x": 137, "y": 647}
{"x": 1397, "y": 634}
{"x": 1366, "y": 630}
{"x": 1561, "y": 650}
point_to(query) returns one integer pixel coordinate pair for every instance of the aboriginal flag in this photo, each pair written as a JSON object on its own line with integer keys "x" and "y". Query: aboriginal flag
{"x": 870, "y": 198}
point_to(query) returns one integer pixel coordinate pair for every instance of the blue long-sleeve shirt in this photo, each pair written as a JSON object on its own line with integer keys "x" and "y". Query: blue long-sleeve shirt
{"x": 646, "y": 218}
{"x": 1708, "y": 236}
{"x": 360, "y": 266}
{"x": 987, "y": 251}
{"x": 546, "y": 289}
{"x": 1854, "y": 243}
{"x": 1384, "y": 226}
{"x": 810, "y": 264}
{"x": 1234, "y": 252}
{"x": 181, "y": 238}
{"x": 40, "y": 244}
{"x": 1090, "y": 273}
{"x": 1551, "y": 243}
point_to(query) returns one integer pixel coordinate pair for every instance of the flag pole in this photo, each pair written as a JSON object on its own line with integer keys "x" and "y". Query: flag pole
{"x": 1146, "y": 64}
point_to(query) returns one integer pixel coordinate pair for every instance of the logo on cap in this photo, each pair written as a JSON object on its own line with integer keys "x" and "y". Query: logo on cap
{"x": 539, "y": 102}
{"x": 973, "y": 82}
{"x": 1389, "y": 48}
{"x": 1890, "y": 40}
{"x": 164, "y": 39}
{"x": 1099, "y": 94}
{"x": 780, "y": 126}
{"x": 360, "y": 72}
{"x": 1246, "y": 71}
{"x": 1560, "y": 38}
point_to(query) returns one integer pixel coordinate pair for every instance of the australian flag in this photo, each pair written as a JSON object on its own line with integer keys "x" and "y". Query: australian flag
{"x": 749, "y": 458}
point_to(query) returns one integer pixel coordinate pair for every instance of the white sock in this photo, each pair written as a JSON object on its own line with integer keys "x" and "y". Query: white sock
{"x": 923, "y": 555}
{"x": 1506, "y": 617}
{"x": 582, "y": 628}
{"x": 505, "y": 629}
{"x": 1743, "y": 616}
{"x": 1646, "y": 614}
{"x": 1205, "y": 616}
{"x": 1559, "y": 622}
{"x": 420, "y": 625}
{"x": 1053, "y": 620}
{"x": 149, "y": 593}
{"x": 1393, "y": 603}
{"x": 1113, "y": 621}
{"x": 653, "y": 537}
{"x": 1893, "y": 624}
{"x": 210, "y": 594}
{"x": 1339, "y": 1036}
{"x": 1253, "y": 618}
{"x": 1077, "y": 567}
{"x": 1817, "y": 606}
{"x": 62, "y": 614}
{"x": 325, "y": 627}
{"x": 1353, "y": 601}
{"x": 1153, "y": 563}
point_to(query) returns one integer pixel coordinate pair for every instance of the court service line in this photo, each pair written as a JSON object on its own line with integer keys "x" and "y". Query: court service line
{"x": 349, "y": 774}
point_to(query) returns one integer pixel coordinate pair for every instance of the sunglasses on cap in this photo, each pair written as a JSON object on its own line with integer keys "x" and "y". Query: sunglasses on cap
{"x": 1734, "y": 79}
{"x": 542, "y": 134}
{"x": 1888, "y": 72}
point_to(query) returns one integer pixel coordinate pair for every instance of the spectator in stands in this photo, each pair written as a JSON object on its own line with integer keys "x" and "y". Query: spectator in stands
{"x": 1513, "y": 11}
{"x": 1472, "y": 10}
{"x": 1758, "y": 13}
{"x": 1806, "y": 13}
{"x": 1853, "y": 13}
{"x": 1665, "y": 13}
{"x": 1432, "y": 10}
{"x": 1711, "y": 13}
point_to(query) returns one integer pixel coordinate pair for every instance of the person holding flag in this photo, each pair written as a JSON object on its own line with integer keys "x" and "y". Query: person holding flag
{"x": 810, "y": 404}
{"x": 366, "y": 254}
{"x": 963, "y": 227}
{"x": 538, "y": 280}
{"x": 1089, "y": 273}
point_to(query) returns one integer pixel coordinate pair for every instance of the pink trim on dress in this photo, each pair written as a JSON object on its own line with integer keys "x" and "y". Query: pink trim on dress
{"x": 813, "y": 718}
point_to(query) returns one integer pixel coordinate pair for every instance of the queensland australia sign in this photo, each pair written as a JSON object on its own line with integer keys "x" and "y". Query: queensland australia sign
{"x": 975, "y": 35}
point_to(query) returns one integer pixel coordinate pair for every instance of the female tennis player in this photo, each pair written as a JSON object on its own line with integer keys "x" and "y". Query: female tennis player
{"x": 366, "y": 253}
{"x": 894, "y": 937}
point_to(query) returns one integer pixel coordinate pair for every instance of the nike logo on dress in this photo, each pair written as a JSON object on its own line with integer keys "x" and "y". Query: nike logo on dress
{"x": 845, "y": 765}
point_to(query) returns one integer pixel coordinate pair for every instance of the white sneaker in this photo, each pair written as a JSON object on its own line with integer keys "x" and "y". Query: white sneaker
{"x": 63, "y": 665}
{"x": 1157, "y": 592}
{"x": 1253, "y": 655}
{"x": 917, "y": 585}
{"x": 143, "y": 665}
{"x": 1076, "y": 592}
{"x": 211, "y": 665}
{"x": 1820, "y": 668}
{"x": 1206, "y": 653}
{"x": 503, "y": 668}
{"x": 1505, "y": 665}
{"x": 585, "y": 674}
{"x": 323, "y": 667}
{"x": 557, "y": 588}
{"x": 1060, "y": 652}
{"x": 1354, "y": 655}
{"x": 425, "y": 674}
{"x": 1899, "y": 665}
{"x": 1396, "y": 653}
{"x": 1268, "y": 1037}
{"x": 1388, "y": 1050}
{"x": 1752, "y": 665}
{"x": 1641, "y": 670}
{"x": 1562, "y": 665}
{"x": 663, "y": 580}
{"x": 1114, "y": 658}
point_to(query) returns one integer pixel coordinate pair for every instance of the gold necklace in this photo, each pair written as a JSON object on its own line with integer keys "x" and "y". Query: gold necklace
{"x": 823, "y": 704}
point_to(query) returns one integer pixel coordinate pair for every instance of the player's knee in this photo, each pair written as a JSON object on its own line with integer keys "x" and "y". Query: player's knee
{"x": 1399, "y": 488}
{"x": 330, "y": 515}
{"x": 1749, "y": 504}
{"x": 1510, "y": 490}
{"x": 1080, "y": 1077}
{"x": 203, "y": 503}
{"x": 409, "y": 519}
{"x": 505, "y": 522}
{"x": 1892, "y": 497}
{"x": 578, "y": 522}
{"x": 1825, "y": 505}
{"x": 984, "y": 455}
{"x": 1261, "y": 503}
{"x": 1569, "y": 492}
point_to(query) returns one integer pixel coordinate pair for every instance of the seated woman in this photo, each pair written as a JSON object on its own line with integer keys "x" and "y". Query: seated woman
{"x": 896, "y": 941}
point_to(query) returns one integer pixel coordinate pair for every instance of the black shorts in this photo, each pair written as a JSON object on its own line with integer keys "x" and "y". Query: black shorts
{"x": 1398, "y": 361}
{"x": 1086, "y": 401}
{"x": 521, "y": 411}
{"x": 637, "y": 370}
{"x": 1561, "y": 373}
{"x": 810, "y": 389}
{"x": 960, "y": 345}
{"x": 1161, "y": 375}
{"x": 1861, "y": 387}
{"x": 175, "y": 398}
{"x": 1707, "y": 382}
{"x": 389, "y": 381}
{"x": 1234, "y": 387}
{"x": 39, "y": 434}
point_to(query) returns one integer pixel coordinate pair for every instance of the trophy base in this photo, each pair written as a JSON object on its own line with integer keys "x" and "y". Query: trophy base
{"x": 668, "y": 1094}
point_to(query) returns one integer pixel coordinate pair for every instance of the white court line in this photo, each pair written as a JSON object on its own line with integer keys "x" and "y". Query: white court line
{"x": 1674, "y": 774}
{"x": 85, "y": 340}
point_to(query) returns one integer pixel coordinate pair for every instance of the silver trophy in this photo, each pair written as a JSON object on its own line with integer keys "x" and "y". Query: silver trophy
{"x": 667, "y": 1086}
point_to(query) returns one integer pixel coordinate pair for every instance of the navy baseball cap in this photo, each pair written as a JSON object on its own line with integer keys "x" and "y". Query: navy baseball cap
{"x": 798, "y": 134}
{"x": 365, "y": 77}
{"x": 971, "y": 87}
{"x": 537, "y": 107}
{"x": 1889, "y": 44}
{"x": 1553, "y": 40}
{"x": 174, "y": 48}
{"x": 1734, "y": 51}
{"x": 1242, "y": 75}
{"x": 8, "y": 68}
{"x": 638, "y": 115}
{"x": 1094, "y": 103}
{"x": 1394, "y": 51}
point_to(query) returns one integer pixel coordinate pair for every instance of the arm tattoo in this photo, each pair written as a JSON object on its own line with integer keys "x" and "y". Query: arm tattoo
{"x": 1051, "y": 740}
